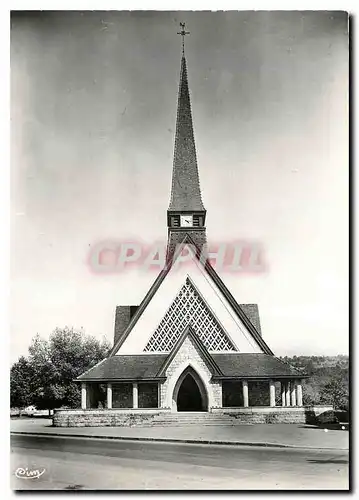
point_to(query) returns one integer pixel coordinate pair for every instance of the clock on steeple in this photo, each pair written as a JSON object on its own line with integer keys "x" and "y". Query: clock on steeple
{"x": 186, "y": 220}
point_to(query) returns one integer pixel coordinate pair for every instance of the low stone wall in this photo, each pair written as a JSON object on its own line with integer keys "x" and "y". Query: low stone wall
{"x": 280, "y": 415}
{"x": 104, "y": 418}
{"x": 255, "y": 415}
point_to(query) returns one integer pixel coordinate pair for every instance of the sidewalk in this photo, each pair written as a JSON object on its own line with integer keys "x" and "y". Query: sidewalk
{"x": 276, "y": 435}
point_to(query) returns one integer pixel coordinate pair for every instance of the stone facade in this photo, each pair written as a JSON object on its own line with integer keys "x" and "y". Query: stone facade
{"x": 189, "y": 355}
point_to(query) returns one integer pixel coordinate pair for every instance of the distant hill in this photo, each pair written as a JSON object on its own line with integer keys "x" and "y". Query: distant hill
{"x": 315, "y": 362}
{"x": 329, "y": 379}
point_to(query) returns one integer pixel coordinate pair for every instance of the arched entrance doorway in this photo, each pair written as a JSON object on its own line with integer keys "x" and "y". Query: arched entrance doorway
{"x": 190, "y": 393}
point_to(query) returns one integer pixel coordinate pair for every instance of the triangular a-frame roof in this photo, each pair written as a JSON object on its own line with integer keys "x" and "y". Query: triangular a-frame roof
{"x": 188, "y": 332}
{"x": 214, "y": 277}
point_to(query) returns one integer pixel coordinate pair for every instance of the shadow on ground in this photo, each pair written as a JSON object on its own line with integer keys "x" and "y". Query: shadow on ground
{"x": 27, "y": 417}
{"x": 74, "y": 487}
{"x": 330, "y": 461}
{"x": 330, "y": 426}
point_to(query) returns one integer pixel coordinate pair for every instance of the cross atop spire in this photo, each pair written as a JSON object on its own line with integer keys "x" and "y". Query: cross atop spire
{"x": 183, "y": 33}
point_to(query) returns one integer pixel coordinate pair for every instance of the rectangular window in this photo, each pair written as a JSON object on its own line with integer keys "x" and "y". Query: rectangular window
{"x": 122, "y": 396}
{"x": 96, "y": 395}
{"x": 232, "y": 394}
{"x": 258, "y": 393}
{"x": 148, "y": 395}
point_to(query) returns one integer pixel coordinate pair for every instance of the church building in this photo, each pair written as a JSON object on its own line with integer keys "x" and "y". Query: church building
{"x": 189, "y": 346}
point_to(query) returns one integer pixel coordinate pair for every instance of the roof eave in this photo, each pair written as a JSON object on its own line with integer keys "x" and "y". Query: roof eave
{"x": 259, "y": 377}
{"x": 131, "y": 379}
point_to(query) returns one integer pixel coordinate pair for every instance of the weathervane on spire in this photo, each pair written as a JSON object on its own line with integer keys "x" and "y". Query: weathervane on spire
{"x": 183, "y": 33}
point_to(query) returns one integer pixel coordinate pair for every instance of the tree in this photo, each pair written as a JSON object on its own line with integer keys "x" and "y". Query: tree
{"x": 335, "y": 392}
{"x": 311, "y": 393}
{"x": 54, "y": 364}
{"x": 21, "y": 381}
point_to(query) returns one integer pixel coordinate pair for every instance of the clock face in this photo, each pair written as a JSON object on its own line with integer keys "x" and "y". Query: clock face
{"x": 186, "y": 220}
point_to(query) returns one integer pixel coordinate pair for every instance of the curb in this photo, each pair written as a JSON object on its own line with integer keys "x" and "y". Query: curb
{"x": 176, "y": 440}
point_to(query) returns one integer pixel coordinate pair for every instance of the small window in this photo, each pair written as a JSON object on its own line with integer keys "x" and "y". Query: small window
{"x": 197, "y": 220}
{"x": 175, "y": 222}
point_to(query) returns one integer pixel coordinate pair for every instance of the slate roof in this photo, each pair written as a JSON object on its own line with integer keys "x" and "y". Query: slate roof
{"x": 148, "y": 367}
{"x": 186, "y": 192}
{"x": 253, "y": 365}
{"x": 126, "y": 367}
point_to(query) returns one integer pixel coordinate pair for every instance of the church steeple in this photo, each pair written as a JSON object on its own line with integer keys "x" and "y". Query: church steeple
{"x": 186, "y": 212}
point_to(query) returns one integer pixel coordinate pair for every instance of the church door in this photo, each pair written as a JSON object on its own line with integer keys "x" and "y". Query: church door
{"x": 189, "y": 396}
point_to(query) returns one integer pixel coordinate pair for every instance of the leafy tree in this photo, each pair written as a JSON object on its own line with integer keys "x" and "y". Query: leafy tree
{"x": 335, "y": 392}
{"x": 21, "y": 380}
{"x": 54, "y": 364}
{"x": 311, "y": 393}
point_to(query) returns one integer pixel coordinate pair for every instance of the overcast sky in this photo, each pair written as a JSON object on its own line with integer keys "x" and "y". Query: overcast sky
{"x": 93, "y": 108}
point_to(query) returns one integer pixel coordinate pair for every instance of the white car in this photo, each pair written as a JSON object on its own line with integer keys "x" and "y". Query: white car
{"x": 29, "y": 410}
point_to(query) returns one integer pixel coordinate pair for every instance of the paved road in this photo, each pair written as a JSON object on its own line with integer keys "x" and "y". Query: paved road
{"x": 290, "y": 434}
{"x": 76, "y": 463}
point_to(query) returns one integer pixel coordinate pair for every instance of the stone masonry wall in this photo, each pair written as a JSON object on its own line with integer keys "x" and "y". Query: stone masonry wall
{"x": 129, "y": 418}
{"x": 280, "y": 415}
{"x": 102, "y": 418}
{"x": 122, "y": 319}
{"x": 217, "y": 394}
{"x": 187, "y": 355}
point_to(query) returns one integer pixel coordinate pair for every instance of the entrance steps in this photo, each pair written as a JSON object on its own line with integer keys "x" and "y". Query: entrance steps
{"x": 181, "y": 419}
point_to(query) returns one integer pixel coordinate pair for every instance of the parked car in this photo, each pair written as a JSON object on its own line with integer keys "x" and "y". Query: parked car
{"x": 29, "y": 411}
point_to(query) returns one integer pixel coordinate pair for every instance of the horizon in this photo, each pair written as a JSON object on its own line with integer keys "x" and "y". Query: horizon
{"x": 269, "y": 97}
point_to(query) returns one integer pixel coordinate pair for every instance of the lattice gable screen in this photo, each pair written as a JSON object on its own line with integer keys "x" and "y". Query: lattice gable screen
{"x": 188, "y": 308}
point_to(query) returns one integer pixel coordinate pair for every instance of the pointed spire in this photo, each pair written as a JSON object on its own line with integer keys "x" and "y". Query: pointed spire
{"x": 185, "y": 193}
